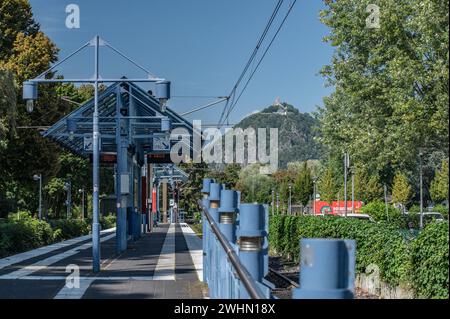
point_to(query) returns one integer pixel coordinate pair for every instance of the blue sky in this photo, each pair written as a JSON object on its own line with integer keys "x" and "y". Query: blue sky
{"x": 201, "y": 46}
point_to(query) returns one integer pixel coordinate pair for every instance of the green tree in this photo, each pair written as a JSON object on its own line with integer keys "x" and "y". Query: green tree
{"x": 254, "y": 186}
{"x": 15, "y": 17}
{"x": 303, "y": 186}
{"x": 401, "y": 190}
{"x": 190, "y": 191}
{"x": 367, "y": 186}
{"x": 391, "y": 83}
{"x": 8, "y": 107}
{"x": 439, "y": 185}
{"x": 327, "y": 186}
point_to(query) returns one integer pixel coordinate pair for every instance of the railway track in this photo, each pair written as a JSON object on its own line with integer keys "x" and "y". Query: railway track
{"x": 280, "y": 276}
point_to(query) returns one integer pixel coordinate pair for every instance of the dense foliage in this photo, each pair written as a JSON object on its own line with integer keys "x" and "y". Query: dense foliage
{"x": 399, "y": 261}
{"x": 429, "y": 253}
{"x": 20, "y": 232}
{"x": 25, "y": 52}
{"x": 391, "y": 87}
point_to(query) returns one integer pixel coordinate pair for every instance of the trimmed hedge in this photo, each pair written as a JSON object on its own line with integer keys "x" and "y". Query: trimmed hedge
{"x": 22, "y": 235}
{"x": 69, "y": 228}
{"x": 429, "y": 253}
{"x": 26, "y": 233}
{"x": 398, "y": 260}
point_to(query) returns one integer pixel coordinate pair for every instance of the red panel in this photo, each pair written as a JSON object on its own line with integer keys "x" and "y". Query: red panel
{"x": 154, "y": 200}
{"x": 336, "y": 207}
{"x": 144, "y": 195}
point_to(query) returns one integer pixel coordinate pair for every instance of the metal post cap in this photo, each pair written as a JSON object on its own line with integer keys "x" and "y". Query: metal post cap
{"x": 326, "y": 268}
{"x": 206, "y": 185}
{"x": 251, "y": 220}
{"x": 214, "y": 191}
{"x": 228, "y": 201}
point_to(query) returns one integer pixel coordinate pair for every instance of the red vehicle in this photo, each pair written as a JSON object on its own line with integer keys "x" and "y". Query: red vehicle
{"x": 336, "y": 207}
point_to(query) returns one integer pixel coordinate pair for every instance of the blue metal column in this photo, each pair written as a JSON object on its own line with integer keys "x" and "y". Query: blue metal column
{"x": 227, "y": 218}
{"x": 214, "y": 249}
{"x": 327, "y": 269}
{"x": 251, "y": 239}
{"x": 205, "y": 227}
{"x": 122, "y": 170}
{"x": 138, "y": 193}
{"x": 158, "y": 215}
{"x": 96, "y": 167}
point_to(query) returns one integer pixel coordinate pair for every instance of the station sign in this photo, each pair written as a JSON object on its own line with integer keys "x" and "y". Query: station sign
{"x": 105, "y": 158}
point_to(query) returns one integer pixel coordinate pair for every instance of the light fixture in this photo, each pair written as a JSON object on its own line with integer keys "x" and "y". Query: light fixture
{"x": 29, "y": 94}
{"x": 163, "y": 93}
{"x": 29, "y": 106}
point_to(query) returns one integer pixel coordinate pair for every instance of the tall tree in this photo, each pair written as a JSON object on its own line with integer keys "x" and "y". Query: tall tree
{"x": 391, "y": 83}
{"x": 367, "y": 187}
{"x": 15, "y": 17}
{"x": 439, "y": 186}
{"x": 303, "y": 186}
{"x": 401, "y": 190}
{"x": 327, "y": 186}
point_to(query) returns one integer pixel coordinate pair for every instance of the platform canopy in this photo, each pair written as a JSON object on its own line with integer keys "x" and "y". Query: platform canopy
{"x": 170, "y": 172}
{"x": 125, "y": 111}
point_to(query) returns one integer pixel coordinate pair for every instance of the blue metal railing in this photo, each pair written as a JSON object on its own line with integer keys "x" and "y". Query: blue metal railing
{"x": 236, "y": 260}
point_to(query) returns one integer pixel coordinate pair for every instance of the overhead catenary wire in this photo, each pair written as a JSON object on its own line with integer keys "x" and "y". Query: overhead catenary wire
{"x": 233, "y": 105}
{"x": 253, "y": 55}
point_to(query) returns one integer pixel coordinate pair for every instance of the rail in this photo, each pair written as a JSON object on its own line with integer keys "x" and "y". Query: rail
{"x": 252, "y": 288}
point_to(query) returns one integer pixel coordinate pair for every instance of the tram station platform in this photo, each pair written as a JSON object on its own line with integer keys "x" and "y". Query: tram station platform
{"x": 166, "y": 263}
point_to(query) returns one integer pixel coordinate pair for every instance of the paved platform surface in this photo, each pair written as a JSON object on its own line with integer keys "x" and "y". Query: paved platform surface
{"x": 165, "y": 263}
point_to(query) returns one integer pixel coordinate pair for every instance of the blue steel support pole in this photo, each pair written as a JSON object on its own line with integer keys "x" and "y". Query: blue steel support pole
{"x": 250, "y": 239}
{"x": 157, "y": 202}
{"x": 327, "y": 269}
{"x": 121, "y": 168}
{"x": 139, "y": 201}
{"x": 214, "y": 202}
{"x": 227, "y": 218}
{"x": 95, "y": 177}
{"x": 205, "y": 228}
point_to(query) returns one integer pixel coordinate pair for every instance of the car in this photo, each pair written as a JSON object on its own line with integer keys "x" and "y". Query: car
{"x": 352, "y": 215}
{"x": 360, "y": 216}
{"x": 433, "y": 216}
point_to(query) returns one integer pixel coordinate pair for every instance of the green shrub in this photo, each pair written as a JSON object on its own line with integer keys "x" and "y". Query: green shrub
{"x": 108, "y": 221}
{"x": 21, "y": 215}
{"x": 414, "y": 209}
{"x": 394, "y": 217}
{"x": 23, "y": 234}
{"x": 441, "y": 209}
{"x": 421, "y": 263}
{"x": 429, "y": 253}
{"x": 70, "y": 228}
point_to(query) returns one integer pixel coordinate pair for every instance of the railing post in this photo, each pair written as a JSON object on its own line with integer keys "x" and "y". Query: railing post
{"x": 227, "y": 220}
{"x": 251, "y": 238}
{"x": 327, "y": 269}
{"x": 213, "y": 252}
{"x": 205, "y": 227}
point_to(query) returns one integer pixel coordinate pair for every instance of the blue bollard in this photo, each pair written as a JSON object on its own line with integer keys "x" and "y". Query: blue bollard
{"x": 214, "y": 251}
{"x": 227, "y": 219}
{"x": 251, "y": 239}
{"x": 205, "y": 228}
{"x": 327, "y": 269}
